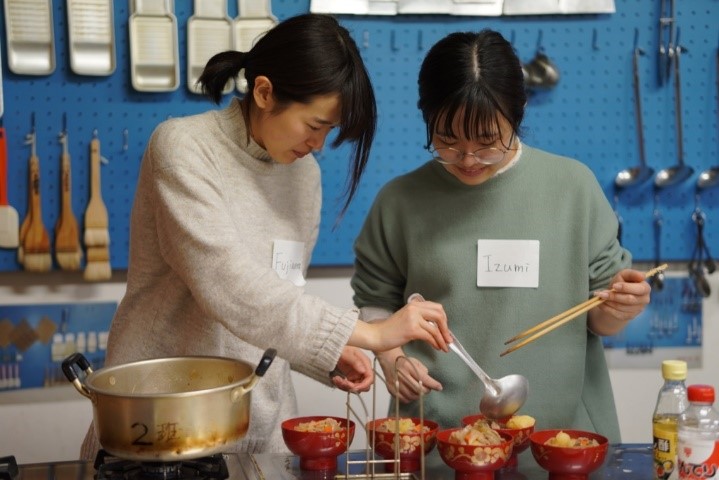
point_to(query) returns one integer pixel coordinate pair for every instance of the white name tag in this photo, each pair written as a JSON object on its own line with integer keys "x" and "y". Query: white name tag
{"x": 508, "y": 263}
{"x": 287, "y": 260}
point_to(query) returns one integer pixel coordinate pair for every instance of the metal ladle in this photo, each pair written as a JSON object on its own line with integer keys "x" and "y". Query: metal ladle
{"x": 641, "y": 173}
{"x": 708, "y": 178}
{"x": 503, "y": 397}
{"x": 680, "y": 172}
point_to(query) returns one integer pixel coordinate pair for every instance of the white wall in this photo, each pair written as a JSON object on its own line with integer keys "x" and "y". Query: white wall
{"x": 48, "y": 424}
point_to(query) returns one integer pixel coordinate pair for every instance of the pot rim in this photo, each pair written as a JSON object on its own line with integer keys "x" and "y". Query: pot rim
{"x": 104, "y": 371}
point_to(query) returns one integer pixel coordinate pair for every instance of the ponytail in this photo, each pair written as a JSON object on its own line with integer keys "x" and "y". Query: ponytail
{"x": 219, "y": 69}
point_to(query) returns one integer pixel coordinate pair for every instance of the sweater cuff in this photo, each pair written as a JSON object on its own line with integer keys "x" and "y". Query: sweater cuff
{"x": 334, "y": 333}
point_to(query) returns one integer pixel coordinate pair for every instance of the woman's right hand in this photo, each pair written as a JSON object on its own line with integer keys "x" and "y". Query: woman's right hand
{"x": 403, "y": 378}
{"x": 424, "y": 321}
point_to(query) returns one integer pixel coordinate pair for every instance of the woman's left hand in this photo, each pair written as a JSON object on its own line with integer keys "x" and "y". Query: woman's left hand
{"x": 356, "y": 368}
{"x": 627, "y": 296}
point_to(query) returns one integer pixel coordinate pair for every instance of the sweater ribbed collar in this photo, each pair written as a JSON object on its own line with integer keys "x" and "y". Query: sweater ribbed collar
{"x": 232, "y": 122}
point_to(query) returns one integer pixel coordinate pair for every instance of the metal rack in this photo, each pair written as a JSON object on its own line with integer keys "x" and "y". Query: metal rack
{"x": 370, "y": 462}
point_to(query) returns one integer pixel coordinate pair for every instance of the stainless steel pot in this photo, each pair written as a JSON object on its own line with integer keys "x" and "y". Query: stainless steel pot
{"x": 168, "y": 409}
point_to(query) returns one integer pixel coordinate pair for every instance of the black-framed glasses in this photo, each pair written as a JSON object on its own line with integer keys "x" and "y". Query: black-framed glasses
{"x": 485, "y": 156}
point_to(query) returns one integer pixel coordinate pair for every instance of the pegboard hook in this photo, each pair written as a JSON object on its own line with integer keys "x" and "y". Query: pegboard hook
{"x": 393, "y": 40}
{"x": 102, "y": 159}
{"x": 595, "y": 43}
{"x": 62, "y": 136}
{"x": 540, "y": 48}
{"x": 30, "y": 137}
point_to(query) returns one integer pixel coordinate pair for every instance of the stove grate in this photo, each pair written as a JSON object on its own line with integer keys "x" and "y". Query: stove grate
{"x": 109, "y": 467}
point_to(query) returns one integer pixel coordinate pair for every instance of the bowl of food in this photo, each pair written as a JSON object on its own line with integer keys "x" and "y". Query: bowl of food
{"x": 520, "y": 427}
{"x": 475, "y": 452}
{"x": 568, "y": 454}
{"x": 415, "y": 438}
{"x": 318, "y": 440}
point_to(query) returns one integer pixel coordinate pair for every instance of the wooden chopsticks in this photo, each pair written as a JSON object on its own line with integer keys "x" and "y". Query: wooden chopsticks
{"x": 541, "y": 329}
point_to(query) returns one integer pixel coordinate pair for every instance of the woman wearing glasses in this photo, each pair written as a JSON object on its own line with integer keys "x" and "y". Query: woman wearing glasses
{"x": 504, "y": 236}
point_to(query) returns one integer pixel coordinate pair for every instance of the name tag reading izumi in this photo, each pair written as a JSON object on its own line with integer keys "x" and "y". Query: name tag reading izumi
{"x": 508, "y": 263}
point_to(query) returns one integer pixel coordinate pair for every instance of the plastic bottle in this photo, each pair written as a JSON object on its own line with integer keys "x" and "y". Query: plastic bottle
{"x": 699, "y": 436}
{"x": 671, "y": 402}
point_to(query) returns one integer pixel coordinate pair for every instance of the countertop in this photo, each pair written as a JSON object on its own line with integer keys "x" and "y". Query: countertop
{"x": 623, "y": 461}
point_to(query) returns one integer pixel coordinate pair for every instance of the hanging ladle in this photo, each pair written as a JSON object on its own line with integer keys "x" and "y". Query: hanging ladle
{"x": 679, "y": 172}
{"x": 641, "y": 173}
{"x": 708, "y": 178}
{"x": 503, "y": 397}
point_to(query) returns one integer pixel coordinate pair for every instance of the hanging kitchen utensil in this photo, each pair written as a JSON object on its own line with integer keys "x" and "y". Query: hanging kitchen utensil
{"x": 205, "y": 401}
{"x": 209, "y": 31}
{"x": 255, "y": 18}
{"x": 641, "y": 173}
{"x": 657, "y": 281}
{"x": 666, "y": 40}
{"x": 679, "y": 172}
{"x": 9, "y": 220}
{"x": 701, "y": 260}
{"x": 67, "y": 237}
{"x": 710, "y": 177}
{"x": 30, "y": 38}
{"x": 91, "y": 37}
{"x": 154, "y": 55}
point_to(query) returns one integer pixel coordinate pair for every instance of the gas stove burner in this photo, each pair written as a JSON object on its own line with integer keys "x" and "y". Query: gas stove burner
{"x": 8, "y": 468}
{"x": 109, "y": 467}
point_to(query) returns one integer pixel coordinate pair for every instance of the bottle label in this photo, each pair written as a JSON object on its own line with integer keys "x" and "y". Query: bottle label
{"x": 699, "y": 459}
{"x": 665, "y": 450}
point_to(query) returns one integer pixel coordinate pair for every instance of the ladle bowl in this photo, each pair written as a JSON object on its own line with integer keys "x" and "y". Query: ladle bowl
{"x": 633, "y": 176}
{"x": 708, "y": 178}
{"x": 502, "y": 397}
{"x": 673, "y": 175}
{"x": 511, "y": 394}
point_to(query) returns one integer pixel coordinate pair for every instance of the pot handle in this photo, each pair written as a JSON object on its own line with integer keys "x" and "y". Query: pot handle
{"x": 262, "y": 367}
{"x": 84, "y": 365}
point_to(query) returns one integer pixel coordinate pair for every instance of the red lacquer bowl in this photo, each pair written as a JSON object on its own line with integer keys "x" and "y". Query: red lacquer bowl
{"x": 568, "y": 463}
{"x": 520, "y": 435}
{"x": 473, "y": 462}
{"x": 410, "y": 451}
{"x": 317, "y": 450}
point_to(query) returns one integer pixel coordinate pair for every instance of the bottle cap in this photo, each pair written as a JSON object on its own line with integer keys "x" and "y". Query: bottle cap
{"x": 700, "y": 393}
{"x": 674, "y": 369}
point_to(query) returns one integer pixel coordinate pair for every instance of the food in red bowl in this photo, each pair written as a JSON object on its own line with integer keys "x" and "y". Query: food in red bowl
{"x": 568, "y": 454}
{"x": 412, "y": 432}
{"x": 474, "y": 454}
{"x": 318, "y": 440}
{"x": 520, "y": 427}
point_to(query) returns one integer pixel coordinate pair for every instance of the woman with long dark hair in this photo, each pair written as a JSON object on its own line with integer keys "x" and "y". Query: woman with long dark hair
{"x": 226, "y": 215}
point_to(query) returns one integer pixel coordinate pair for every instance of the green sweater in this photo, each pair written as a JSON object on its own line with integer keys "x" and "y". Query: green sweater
{"x": 421, "y": 236}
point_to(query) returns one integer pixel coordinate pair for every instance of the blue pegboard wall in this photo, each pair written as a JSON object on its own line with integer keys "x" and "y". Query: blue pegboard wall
{"x": 588, "y": 116}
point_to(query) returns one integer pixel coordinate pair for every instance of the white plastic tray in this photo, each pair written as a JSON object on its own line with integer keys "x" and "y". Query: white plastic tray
{"x": 30, "y": 39}
{"x": 255, "y": 18}
{"x": 154, "y": 57}
{"x": 209, "y": 31}
{"x": 91, "y": 39}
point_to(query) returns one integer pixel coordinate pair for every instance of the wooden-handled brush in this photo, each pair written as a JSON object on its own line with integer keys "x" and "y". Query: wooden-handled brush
{"x": 36, "y": 241}
{"x": 67, "y": 238}
{"x": 96, "y": 218}
{"x": 97, "y": 237}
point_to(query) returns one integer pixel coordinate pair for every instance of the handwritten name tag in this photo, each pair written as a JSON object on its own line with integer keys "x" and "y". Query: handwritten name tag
{"x": 287, "y": 260}
{"x": 508, "y": 263}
